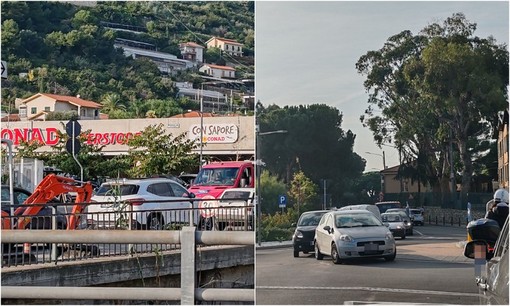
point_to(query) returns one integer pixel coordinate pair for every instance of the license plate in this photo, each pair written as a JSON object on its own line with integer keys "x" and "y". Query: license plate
{"x": 371, "y": 247}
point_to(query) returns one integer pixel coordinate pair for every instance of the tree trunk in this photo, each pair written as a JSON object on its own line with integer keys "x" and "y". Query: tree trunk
{"x": 467, "y": 172}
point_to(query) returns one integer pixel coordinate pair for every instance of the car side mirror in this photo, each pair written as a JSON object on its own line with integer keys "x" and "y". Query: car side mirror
{"x": 386, "y": 224}
{"x": 191, "y": 195}
{"x": 328, "y": 229}
{"x": 477, "y": 249}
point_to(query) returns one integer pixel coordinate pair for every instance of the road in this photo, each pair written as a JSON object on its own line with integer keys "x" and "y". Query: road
{"x": 430, "y": 268}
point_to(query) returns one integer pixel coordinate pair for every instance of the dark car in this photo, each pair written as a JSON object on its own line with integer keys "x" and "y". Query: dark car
{"x": 302, "y": 240}
{"x": 43, "y": 219}
{"x": 493, "y": 284}
{"x": 383, "y": 206}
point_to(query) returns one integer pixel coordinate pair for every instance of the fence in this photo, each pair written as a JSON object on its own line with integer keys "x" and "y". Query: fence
{"x": 188, "y": 238}
{"x": 114, "y": 216}
{"x": 434, "y": 199}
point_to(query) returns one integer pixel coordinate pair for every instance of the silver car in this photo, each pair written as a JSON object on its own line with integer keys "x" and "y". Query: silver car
{"x": 353, "y": 234}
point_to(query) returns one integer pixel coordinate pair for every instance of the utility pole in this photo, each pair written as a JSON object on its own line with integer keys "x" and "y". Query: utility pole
{"x": 324, "y": 200}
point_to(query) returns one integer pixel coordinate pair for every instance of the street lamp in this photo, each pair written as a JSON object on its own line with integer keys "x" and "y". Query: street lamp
{"x": 384, "y": 167}
{"x": 258, "y": 164}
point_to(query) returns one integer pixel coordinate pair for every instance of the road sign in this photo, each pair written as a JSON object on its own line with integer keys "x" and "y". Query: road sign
{"x": 4, "y": 70}
{"x": 207, "y": 206}
{"x": 282, "y": 201}
{"x": 70, "y": 126}
{"x": 69, "y": 146}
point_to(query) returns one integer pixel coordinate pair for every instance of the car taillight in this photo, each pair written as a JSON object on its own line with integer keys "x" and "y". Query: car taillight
{"x": 136, "y": 202}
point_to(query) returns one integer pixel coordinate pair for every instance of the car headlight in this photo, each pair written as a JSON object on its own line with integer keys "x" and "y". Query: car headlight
{"x": 298, "y": 234}
{"x": 346, "y": 238}
{"x": 389, "y": 236}
{"x": 399, "y": 227}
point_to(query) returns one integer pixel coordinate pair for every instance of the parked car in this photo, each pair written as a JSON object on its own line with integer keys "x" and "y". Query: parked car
{"x": 407, "y": 219}
{"x": 235, "y": 209}
{"x": 157, "y": 202}
{"x": 383, "y": 206}
{"x": 395, "y": 224}
{"x": 353, "y": 234}
{"x": 370, "y": 207}
{"x": 493, "y": 284}
{"x": 417, "y": 216}
{"x": 303, "y": 238}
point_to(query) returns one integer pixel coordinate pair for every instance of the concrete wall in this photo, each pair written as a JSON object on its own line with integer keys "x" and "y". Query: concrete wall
{"x": 218, "y": 267}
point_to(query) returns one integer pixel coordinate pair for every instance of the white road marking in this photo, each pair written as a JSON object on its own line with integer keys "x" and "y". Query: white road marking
{"x": 415, "y": 291}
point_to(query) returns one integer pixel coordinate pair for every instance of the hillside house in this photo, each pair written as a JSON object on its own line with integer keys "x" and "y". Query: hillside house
{"x": 39, "y": 105}
{"x": 229, "y": 46}
{"x": 218, "y": 71}
{"x": 192, "y": 52}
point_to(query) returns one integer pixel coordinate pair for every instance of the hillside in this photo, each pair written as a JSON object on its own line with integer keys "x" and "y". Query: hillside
{"x": 67, "y": 49}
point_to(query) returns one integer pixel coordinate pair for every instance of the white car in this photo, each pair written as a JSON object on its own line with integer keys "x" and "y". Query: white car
{"x": 417, "y": 216}
{"x": 353, "y": 234}
{"x": 235, "y": 209}
{"x": 157, "y": 203}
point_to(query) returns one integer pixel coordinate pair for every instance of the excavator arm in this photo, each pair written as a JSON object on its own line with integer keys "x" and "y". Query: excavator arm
{"x": 50, "y": 187}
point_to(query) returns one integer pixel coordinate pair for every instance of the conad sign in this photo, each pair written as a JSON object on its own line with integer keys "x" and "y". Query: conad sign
{"x": 49, "y": 136}
{"x": 215, "y": 133}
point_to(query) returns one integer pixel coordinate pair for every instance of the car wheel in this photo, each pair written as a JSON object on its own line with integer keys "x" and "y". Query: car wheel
{"x": 206, "y": 224}
{"x": 318, "y": 254}
{"x": 392, "y": 256}
{"x": 296, "y": 253}
{"x": 155, "y": 222}
{"x": 334, "y": 254}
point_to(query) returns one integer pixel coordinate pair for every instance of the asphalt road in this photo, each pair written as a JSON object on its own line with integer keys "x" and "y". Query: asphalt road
{"x": 430, "y": 269}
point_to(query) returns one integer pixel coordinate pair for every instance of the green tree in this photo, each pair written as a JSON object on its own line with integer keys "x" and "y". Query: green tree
{"x": 442, "y": 85}
{"x": 314, "y": 143}
{"x": 156, "y": 152}
{"x": 303, "y": 192}
{"x": 271, "y": 188}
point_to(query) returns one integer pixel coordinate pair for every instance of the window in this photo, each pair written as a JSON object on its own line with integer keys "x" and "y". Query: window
{"x": 33, "y": 110}
{"x": 160, "y": 189}
{"x": 178, "y": 190}
{"x": 46, "y": 108}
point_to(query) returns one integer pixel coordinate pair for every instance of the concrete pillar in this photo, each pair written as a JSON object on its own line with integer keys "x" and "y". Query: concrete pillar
{"x": 188, "y": 265}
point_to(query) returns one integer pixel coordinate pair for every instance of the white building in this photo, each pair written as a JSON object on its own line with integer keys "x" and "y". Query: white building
{"x": 218, "y": 71}
{"x": 192, "y": 52}
{"x": 229, "y": 46}
{"x": 39, "y": 105}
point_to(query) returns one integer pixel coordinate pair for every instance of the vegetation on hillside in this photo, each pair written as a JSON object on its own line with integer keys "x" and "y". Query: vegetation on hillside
{"x": 62, "y": 48}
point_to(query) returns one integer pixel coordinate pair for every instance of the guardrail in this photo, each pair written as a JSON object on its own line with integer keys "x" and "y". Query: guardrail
{"x": 188, "y": 238}
{"x": 118, "y": 216}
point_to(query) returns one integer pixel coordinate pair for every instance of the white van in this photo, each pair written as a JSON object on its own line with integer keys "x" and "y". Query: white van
{"x": 370, "y": 207}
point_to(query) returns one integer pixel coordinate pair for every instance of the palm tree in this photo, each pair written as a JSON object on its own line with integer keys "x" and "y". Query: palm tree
{"x": 112, "y": 102}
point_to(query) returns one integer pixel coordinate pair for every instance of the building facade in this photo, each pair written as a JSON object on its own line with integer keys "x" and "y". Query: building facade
{"x": 503, "y": 154}
{"x": 224, "y": 138}
{"x": 39, "y": 105}
{"x": 218, "y": 71}
{"x": 229, "y": 46}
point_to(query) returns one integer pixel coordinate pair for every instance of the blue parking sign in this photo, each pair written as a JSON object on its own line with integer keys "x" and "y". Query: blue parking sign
{"x": 282, "y": 201}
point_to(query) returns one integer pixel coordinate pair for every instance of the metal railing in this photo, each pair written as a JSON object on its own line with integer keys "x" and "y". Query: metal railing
{"x": 118, "y": 217}
{"x": 188, "y": 238}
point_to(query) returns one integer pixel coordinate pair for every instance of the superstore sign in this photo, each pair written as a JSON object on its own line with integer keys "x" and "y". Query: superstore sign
{"x": 215, "y": 133}
{"x": 49, "y": 136}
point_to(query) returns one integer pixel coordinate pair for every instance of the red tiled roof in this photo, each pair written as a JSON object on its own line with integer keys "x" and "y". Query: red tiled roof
{"x": 230, "y": 41}
{"x": 74, "y": 100}
{"x": 11, "y": 117}
{"x": 220, "y": 67}
{"x": 193, "y": 114}
{"x": 192, "y": 44}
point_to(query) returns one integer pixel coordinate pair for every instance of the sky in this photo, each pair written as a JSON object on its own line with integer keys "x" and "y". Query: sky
{"x": 306, "y": 52}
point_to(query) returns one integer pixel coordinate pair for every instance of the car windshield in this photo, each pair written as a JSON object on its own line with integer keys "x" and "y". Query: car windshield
{"x": 391, "y": 218}
{"x": 416, "y": 211}
{"x": 216, "y": 177}
{"x": 310, "y": 219}
{"x": 356, "y": 220}
{"x": 117, "y": 189}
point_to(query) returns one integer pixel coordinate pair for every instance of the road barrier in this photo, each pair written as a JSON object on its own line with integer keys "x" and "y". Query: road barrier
{"x": 188, "y": 238}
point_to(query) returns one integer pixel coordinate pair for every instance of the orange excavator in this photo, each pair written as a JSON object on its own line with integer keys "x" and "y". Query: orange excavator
{"x": 48, "y": 189}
